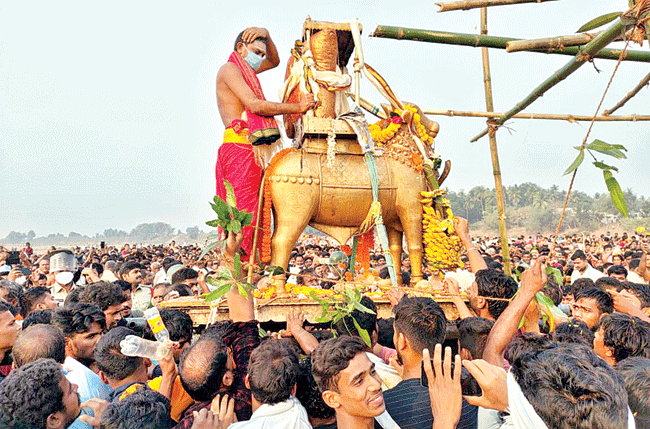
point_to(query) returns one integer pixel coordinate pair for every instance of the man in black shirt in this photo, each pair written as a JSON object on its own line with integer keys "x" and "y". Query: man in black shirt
{"x": 419, "y": 324}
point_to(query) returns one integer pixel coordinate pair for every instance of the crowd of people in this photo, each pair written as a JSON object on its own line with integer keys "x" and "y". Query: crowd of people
{"x": 561, "y": 341}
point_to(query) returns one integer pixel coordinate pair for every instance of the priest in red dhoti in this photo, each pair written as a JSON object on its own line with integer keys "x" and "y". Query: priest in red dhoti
{"x": 249, "y": 122}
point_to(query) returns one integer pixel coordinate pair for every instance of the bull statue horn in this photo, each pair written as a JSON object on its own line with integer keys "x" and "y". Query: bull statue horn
{"x": 387, "y": 109}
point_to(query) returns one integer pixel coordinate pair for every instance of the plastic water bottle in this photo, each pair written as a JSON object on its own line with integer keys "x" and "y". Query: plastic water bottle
{"x": 156, "y": 324}
{"x": 136, "y": 346}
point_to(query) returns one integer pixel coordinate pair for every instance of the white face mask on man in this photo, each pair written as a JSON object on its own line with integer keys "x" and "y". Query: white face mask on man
{"x": 64, "y": 277}
{"x": 254, "y": 60}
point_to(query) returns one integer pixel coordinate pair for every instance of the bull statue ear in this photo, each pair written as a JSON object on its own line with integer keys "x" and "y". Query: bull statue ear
{"x": 387, "y": 109}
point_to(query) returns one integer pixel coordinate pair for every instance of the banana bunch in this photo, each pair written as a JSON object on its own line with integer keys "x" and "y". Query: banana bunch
{"x": 442, "y": 246}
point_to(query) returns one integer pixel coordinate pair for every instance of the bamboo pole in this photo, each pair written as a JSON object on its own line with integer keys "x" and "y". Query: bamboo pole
{"x": 496, "y": 168}
{"x": 644, "y": 82}
{"x": 550, "y": 43}
{"x": 474, "y": 4}
{"x": 578, "y": 61}
{"x": 477, "y": 40}
{"x": 544, "y": 116}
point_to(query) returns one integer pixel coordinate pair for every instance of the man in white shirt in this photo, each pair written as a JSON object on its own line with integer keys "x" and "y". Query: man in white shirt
{"x": 581, "y": 267}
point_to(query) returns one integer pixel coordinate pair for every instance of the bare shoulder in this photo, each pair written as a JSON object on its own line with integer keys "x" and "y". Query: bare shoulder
{"x": 228, "y": 71}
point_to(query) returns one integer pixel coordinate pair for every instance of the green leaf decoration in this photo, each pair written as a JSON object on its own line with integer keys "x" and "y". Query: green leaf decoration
{"x": 273, "y": 270}
{"x": 224, "y": 288}
{"x": 230, "y": 194}
{"x": 234, "y": 226}
{"x": 616, "y": 194}
{"x": 362, "y": 333}
{"x": 220, "y": 207}
{"x": 603, "y": 166}
{"x": 237, "y": 266}
{"x": 213, "y": 223}
{"x": 262, "y": 332}
{"x": 362, "y": 308}
{"x": 247, "y": 220}
{"x": 211, "y": 246}
{"x": 599, "y": 21}
{"x": 607, "y": 149}
{"x": 242, "y": 290}
{"x": 576, "y": 163}
{"x": 557, "y": 275}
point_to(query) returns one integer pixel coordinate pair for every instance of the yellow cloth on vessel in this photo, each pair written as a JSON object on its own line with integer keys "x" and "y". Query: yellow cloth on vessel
{"x": 230, "y": 136}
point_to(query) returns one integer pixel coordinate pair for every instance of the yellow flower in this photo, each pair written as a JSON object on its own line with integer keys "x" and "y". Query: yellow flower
{"x": 640, "y": 229}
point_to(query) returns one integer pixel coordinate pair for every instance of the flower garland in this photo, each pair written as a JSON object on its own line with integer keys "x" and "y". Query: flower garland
{"x": 382, "y": 135}
{"x": 365, "y": 243}
{"x": 420, "y": 129}
{"x": 265, "y": 253}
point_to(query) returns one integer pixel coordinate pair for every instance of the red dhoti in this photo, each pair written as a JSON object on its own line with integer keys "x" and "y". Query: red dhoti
{"x": 236, "y": 164}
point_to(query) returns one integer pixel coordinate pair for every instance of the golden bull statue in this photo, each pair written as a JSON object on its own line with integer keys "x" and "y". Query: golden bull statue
{"x": 335, "y": 199}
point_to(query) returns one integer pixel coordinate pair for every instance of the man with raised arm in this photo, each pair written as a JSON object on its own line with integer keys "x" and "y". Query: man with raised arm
{"x": 248, "y": 118}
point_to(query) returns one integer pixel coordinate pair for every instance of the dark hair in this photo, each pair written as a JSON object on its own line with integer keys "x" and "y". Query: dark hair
{"x": 473, "y": 333}
{"x": 38, "y": 341}
{"x": 309, "y": 395}
{"x": 641, "y": 291}
{"x": 73, "y": 296}
{"x": 5, "y": 306}
{"x": 636, "y": 374}
{"x": 570, "y": 387}
{"x": 385, "y": 331}
{"x": 126, "y": 267}
{"x": 422, "y": 321}
{"x": 626, "y": 336}
{"x": 333, "y": 356}
{"x": 38, "y": 317}
{"x": 634, "y": 263}
{"x": 178, "y": 324}
{"x": 495, "y": 284}
{"x": 603, "y": 300}
{"x": 240, "y": 39}
{"x": 103, "y": 295}
{"x": 617, "y": 269}
{"x": 273, "y": 371}
{"x": 605, "y": 283}
{"x": 30, "y": 394}
{"x": 97, "y": 267}
{"x": 183, "y": 290}
{"x": 109, "y": 357}
{"x": 552, "y": 290}
{"x": 366, "y": 321}
{"x": 144, "y": 409}
{"x": 574, "y": 331}
{"x": 30, "y": 298}
{"x": 78, "y": 319}
{"x": 168, "y": 262}
{"x": 203, "y": 366}
{"x": 581, "y": 283}
{"x": 578, "y": 254}
{"x": 185, "y": 273}
{"x": 124, "y": 285}
{"x": 525, "y": 344}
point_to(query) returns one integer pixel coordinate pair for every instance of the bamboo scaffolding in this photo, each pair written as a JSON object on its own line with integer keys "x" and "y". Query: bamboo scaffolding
{"x": 474, "y": 4}
{"x": 496, "y": 168}
{"x": 550, "y": 43}
{"x": 592, "y": 48}
{"x": 544, "y": 116}
{"x": 496, "y": 42}
{"x": 628, "y": 96}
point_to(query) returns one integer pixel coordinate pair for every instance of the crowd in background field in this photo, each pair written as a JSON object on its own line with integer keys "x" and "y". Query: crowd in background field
{"x": 579, "y": 359}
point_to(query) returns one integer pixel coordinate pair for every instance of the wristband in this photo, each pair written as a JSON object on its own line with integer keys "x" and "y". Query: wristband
{"x": 300, "y": 335}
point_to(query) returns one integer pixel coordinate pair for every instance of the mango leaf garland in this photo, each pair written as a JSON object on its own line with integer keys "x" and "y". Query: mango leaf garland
{"x": 229, "y": 219}
{"x": 334, "y": 310}
{"x": 616, "y": 151}
{"x": 615, "y": 192}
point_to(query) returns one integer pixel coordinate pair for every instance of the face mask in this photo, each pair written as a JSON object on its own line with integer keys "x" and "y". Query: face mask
{"x": 64, "y": 277}
{"x": 253, "y": 60}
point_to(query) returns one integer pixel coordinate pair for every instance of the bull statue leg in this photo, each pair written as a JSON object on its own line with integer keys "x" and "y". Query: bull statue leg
{"x": 411, "y": 220}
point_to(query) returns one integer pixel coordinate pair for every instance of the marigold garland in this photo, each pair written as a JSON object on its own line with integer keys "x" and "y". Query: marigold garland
{"x": 365, "y": 243}
{"x": 265, "y": 253}
{"x": 381, "y": 135}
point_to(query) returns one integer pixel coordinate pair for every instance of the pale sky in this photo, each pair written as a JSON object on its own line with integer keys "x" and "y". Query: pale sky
{"x": 108, "y": 115}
